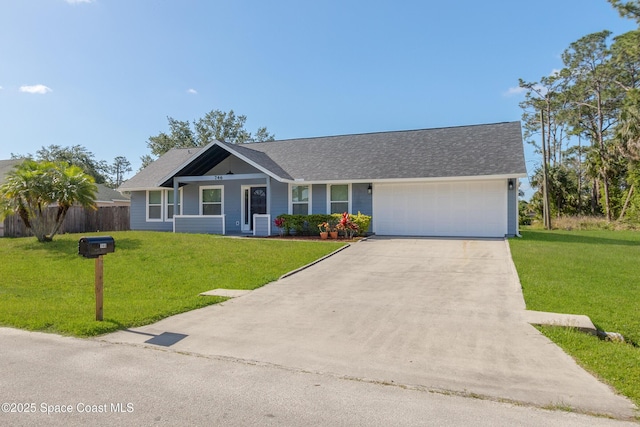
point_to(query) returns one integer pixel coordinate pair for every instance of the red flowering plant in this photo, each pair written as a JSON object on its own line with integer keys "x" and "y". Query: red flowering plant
{"x": 280, "y": 223}
{"x": 349, "y": 227}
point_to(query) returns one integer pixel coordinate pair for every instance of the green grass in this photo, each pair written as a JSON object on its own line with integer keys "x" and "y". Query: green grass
{"x": 150, "y": 276}
{"x": 596, "y": 273}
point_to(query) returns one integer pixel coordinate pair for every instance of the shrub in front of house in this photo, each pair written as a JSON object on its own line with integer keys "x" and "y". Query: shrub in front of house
{"x": 362, "y": 221}
{"x": 307, "y": 225}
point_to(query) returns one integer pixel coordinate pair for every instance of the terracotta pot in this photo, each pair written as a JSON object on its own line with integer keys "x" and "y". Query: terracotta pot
{"x": 324, "y": 235}
{"x": 333, "y": 234}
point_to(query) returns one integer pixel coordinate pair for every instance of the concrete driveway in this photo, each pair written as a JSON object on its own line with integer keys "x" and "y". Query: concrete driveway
{"x": 445, "y": 315}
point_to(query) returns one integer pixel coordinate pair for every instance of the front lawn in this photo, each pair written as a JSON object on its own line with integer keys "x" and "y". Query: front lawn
{"x": 596, "y": 273}
{"x": 150, "y": 276}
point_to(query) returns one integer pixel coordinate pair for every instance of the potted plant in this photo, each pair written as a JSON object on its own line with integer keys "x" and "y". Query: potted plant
{"x": 333, "y": 231}
{"x": 324, "y": 230}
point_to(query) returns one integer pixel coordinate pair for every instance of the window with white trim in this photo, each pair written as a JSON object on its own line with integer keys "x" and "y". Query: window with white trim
{"x": 169, "y": 209}
{"x": 154, "y": 205}
{"x": 300, "y": 199}
{"x": 211, "y": 200}
{"x": 339, "y": 198}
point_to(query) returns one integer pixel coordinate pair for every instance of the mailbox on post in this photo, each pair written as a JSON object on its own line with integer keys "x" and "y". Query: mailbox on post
{"x": 96, "y": 247}
{"x": 93, "y": 247}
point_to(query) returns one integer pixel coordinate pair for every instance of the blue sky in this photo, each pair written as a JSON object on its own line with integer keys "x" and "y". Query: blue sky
{"x": 105, "y": 74}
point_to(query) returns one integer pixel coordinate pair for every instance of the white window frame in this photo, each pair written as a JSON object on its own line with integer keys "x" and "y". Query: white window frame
{"x": 349, "y": 195}
{"x": 161, "y": 204}
{"x": 166, "y": 204}
{"x": 291, "y": 203}
{"x": 211, "y": 187}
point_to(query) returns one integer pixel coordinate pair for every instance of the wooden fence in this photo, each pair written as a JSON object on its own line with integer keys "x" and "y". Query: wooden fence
{"x": 78, "y": 220}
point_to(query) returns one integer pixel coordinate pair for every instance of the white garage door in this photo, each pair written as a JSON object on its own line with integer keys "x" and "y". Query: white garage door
{"x": 462, "y": 209}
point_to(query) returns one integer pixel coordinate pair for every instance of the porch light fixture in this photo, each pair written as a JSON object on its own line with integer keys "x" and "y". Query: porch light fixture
{"x": 510, "y": 184}
{"x": 369, "y": 189}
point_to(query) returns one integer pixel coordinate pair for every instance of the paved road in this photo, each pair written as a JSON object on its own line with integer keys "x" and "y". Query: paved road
{"x": 134, "y": 386}
{"x": 427, "y": 314}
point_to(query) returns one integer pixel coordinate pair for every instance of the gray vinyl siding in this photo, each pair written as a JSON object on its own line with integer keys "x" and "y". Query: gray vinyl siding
{"x": 279, "y": 199}
{"x": 232, "y": 207}
{"x": 512, "y": 210}
{"x": 262, "y": 225}
{"x": 201, "y": 225}
{"x": 319, "y": 199}
{"x": 191, "y": 199}
{"x": 232, "y": 200}
{"x": 362, "y": 201}
{"x": 138, "y": 215}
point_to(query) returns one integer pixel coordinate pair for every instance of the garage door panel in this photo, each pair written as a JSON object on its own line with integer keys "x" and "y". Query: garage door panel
{"x": 473, "y": 209}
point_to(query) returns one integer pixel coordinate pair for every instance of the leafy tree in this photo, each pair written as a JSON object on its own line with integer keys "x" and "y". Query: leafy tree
{"x": 180, "y": 136}
{"x": 628, "y": 130}
{"x": 33, "y": 186}
{"x": 75, "y": 155}
{"x": 226, "y": 127}
{"x": 596, "y": 100}
{"x": 628, "y": 135}
{"x": 215, "y": 125}
{"x": 147, "y": 159}
{"x": 627, "y": 9}
{"x": 575, "y": 162}
{"x": 262, "y": 135}
{"x": 625, "y": 58}
{"x": 544, "y": 106}
{"x": 118, "y": 169}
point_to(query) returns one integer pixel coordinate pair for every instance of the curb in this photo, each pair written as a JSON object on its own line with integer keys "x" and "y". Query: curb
{"x": 304, "y": 267}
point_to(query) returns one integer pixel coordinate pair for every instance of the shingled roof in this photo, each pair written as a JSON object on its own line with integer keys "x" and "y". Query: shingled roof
{"x": 464, "y": 151}
{"x": 7, "y": 166}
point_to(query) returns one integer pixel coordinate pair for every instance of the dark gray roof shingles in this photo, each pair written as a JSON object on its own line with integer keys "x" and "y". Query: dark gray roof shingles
{"x": 494, "y": 149}
{"x": 106, "y": 194}
{"x": 464, "y": 151}
{"x": 160, "y": 168}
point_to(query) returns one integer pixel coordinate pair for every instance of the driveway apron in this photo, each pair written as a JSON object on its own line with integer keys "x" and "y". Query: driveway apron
{"x": 444, "y": 315}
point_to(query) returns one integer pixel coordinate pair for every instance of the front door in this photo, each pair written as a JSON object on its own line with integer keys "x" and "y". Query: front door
{"x": 254, "y": 201}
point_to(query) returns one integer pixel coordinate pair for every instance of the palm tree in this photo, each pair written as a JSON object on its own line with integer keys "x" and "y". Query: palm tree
{"x": 32, "y": 187}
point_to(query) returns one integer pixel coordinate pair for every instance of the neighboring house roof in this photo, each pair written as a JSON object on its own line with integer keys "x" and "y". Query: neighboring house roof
{"x": 109, "y": 195}
{"x": 7, "y": 166}
{"x": 104, "y": 194}
{"x": 464, "y": 151}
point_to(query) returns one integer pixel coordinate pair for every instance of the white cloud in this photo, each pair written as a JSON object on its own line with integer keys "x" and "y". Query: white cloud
{"x": 555, "y": 72}
{"x": 512, "y": 91}
{"x": 39, "y": 89}
{"x": 192, "y": 91}
{"x": 78, "y": 1}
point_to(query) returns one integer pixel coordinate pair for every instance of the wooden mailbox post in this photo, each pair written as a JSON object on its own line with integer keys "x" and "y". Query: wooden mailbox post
{"x": 96, "y": 247}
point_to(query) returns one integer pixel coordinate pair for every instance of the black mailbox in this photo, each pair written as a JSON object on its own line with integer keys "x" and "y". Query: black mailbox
{"x": 93, "y": 247}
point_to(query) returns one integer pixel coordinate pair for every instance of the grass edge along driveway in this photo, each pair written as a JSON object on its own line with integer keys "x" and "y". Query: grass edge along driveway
{"x": 151, "y": 275}
{"x": 593, "y": 273}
